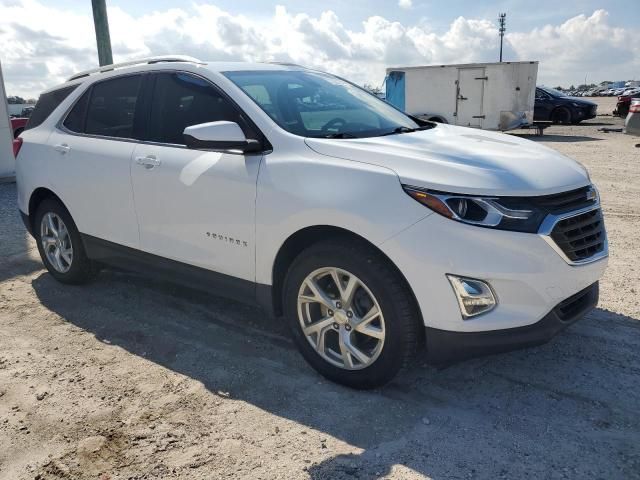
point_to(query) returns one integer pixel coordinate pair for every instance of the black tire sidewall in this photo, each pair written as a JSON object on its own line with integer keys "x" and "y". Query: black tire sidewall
{"x": 561, "y": 116}
{"x": 376, "y": 274}
{"x": 81, "y": 267}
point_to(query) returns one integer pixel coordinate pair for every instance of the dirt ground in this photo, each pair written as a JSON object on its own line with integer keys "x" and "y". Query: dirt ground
{"x": 129, "y": 378}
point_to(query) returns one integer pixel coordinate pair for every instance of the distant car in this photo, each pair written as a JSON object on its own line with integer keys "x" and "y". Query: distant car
{"x": 557, "y": 107}
{"x": 632, "y": 123}
{"x": 17, "y": 125}
{"x": 26, "y": 112}
{"x": 631, "y": 92}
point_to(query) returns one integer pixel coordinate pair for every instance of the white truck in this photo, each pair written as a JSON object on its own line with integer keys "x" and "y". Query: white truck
{"x": 491, "y": 96}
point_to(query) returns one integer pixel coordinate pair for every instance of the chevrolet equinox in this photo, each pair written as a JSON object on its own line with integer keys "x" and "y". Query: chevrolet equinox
{"x": 375, "y": 235}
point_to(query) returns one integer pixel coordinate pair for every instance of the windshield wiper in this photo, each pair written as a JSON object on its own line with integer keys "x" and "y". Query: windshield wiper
{"x": 340, "y": 135}
{"x": 404, "y": 129}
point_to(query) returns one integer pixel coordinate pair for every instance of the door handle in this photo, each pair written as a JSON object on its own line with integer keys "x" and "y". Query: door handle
{"x": 149, "y": 162}
{"x": 62, "y": 148}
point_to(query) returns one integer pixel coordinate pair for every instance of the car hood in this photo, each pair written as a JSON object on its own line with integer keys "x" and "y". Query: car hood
{"x": 463, "y": 160}
{"x": 582, "y": 101}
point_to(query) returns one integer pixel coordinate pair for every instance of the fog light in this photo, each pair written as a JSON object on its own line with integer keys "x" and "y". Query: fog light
{"x": 474, "y": 296}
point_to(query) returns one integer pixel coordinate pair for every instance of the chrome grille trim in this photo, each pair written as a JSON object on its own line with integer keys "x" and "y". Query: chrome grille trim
{"x": 549, "y": 223}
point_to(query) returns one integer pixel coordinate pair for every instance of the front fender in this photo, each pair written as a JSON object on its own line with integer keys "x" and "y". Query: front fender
{"x": 298, "y": 192}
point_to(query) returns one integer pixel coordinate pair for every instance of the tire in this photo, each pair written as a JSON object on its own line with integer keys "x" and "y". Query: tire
{"x": 74, "y": 268}
{"x": 561, "y": 115}
{"x": 379, "y": 284}
{"x": 17, "y": 132}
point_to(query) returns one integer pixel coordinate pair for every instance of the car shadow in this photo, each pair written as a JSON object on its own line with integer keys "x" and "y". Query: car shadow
{"x": 15, "y": 241}
{"x": 566, "y": 409}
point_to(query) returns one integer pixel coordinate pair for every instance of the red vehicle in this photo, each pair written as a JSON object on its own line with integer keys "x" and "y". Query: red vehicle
{"x": 17, "y": 125}
{"x": 624, "y": 102}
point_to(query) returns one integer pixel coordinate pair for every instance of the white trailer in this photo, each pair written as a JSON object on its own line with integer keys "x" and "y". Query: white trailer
{"x": 491, "y": 96}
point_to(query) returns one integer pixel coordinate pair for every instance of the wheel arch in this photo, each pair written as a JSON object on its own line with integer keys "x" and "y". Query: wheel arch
{"x": 37, "y": 197}
{"x": 304, "y": 238}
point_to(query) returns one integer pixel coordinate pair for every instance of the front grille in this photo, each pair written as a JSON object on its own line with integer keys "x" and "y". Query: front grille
{"x": 581, "y": 236}
{"x": 566, "y": 201}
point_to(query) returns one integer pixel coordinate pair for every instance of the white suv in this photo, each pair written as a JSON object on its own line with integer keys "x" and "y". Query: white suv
{"x": 374, "y": 234}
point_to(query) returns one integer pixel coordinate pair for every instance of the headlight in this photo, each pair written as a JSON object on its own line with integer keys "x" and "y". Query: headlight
{"x": 503, "y": 213}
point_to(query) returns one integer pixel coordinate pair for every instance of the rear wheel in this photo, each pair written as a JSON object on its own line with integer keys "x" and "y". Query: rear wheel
{"x": 561, "y": 115}
{"x": 351, "y": 313}
{"x": 60, "y": 245}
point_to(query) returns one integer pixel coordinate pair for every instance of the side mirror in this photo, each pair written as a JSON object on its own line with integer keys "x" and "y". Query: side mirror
{"x": 219, "y": 136}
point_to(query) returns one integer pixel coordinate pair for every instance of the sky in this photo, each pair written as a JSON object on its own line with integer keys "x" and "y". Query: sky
{"x": 44, "y": 42}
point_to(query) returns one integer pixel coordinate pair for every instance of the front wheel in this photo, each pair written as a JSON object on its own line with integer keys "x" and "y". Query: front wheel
{"x": 351, "y": 313}
{"x": 561, "y": 115}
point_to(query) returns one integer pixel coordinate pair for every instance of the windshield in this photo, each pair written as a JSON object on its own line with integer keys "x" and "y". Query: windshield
{"x": 313, "y": 104}
{"x": 553, "y": 92}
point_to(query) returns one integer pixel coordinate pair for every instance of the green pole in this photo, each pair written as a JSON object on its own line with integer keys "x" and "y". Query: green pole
{"x": 103, "y": 40}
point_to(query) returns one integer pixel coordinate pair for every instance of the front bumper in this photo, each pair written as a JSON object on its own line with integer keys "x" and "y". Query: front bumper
{"x": 586, "y": 113}
{"x": 447, "y": 347}
{"x": 528, "y": 276}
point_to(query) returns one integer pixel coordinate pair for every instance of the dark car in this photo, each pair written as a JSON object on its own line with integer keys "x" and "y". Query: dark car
{"x": 557, "y": 107}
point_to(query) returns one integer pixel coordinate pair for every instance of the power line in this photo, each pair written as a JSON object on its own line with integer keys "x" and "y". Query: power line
{"x": 501, "y": 20}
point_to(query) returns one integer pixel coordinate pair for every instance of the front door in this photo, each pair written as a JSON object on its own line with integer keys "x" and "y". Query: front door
{"x": 469, "y": 100}
{"x": 194, "y": 206}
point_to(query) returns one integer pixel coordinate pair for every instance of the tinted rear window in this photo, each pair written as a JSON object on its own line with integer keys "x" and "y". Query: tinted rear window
{"x": 76, "y": 117}
{"x": 112, "y": 107}
{"x": 47, "y": 103}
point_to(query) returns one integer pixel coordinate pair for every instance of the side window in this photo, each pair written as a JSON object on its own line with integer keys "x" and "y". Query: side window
{"x": 47, "y": 103}
{"x": 112, "y": 106}
{"x": 181, "y": 100}
{"x": 540, "y": 95}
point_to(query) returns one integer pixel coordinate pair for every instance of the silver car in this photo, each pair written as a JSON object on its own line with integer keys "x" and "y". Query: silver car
{"x": 632, "y": 123}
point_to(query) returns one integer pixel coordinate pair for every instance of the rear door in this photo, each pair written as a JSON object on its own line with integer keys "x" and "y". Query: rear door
{"x": 469, "y": 102}
{"x": 92, "y": 151}
{"x": 194, "y": 206}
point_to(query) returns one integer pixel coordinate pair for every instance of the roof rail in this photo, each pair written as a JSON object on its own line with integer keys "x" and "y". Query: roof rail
{"x": 286, "y": 64}
{"x": 140, "y": 61}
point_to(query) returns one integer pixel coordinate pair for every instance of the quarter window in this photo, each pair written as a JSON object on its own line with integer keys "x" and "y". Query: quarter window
{"x": 181, "y": 100}
{"x": 47, "y": 103}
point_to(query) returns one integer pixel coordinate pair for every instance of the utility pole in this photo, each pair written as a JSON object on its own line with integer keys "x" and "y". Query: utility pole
{"x": 103, "y": 40}
{"x": 501, "y": 20}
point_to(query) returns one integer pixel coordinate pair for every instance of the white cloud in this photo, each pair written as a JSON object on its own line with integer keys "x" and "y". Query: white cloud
{"x": 54, "y": 43}
{"x": 405, "y": 4}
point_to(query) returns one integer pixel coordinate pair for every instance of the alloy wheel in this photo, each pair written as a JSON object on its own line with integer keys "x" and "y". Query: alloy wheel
{"x": 341, "y": 318}
{"x": 56, "y": 242}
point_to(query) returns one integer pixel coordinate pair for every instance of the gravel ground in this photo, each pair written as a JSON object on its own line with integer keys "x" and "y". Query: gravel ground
{"x": 132, "y": 378}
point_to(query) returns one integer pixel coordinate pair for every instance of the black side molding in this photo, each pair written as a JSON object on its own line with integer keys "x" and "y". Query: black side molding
{"x": 173, "y": 271}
